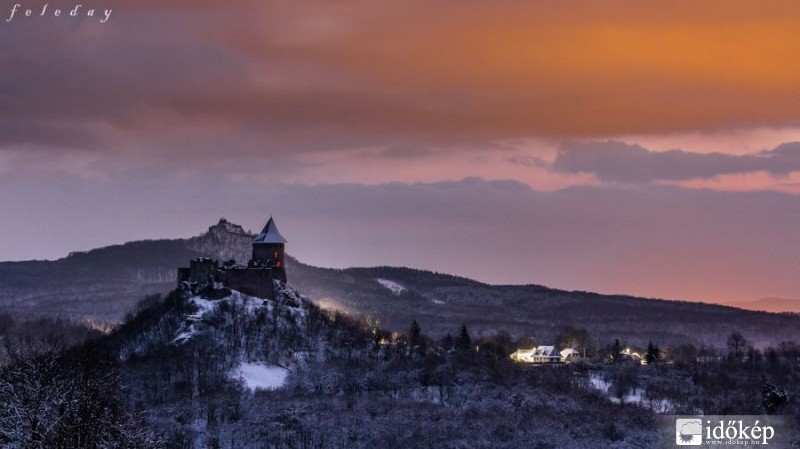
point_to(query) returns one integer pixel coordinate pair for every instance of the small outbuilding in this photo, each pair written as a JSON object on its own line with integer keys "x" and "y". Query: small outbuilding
{"x": 570, "y": 355}
{"x": 523, "y": 355}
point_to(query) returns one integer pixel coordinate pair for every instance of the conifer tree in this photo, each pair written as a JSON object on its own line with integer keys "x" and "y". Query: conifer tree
{"x": 616, "y": 350}
{"x": 447, "y": 342}
{"x": 414, "y": 332}
{"x": 653, "y": 353}
{"x": 463, "y": 342}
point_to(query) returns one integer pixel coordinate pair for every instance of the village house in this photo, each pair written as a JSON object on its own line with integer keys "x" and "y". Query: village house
{"x": 539, "y": 354}
{"x": 570, "y": 355}
{"x": 523, "y": 355}
{"x": 546, "y": 354}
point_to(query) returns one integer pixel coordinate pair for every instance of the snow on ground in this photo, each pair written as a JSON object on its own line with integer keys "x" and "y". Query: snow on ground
{"x": 204, "y": 306}
{"x": 257, "y": 376}
{"x": 604, "y": 386}
{"x": 392, "y": 286}
{"x": 184, "y": 336}
{"x": 635, "y": 396}
{"x": 194, "y": 321}
{"x": 598, "y": 383}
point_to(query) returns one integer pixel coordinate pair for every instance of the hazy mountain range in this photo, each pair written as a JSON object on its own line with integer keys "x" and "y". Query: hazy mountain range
{"x": 776, "y": 305}
{"x": 105, "y": 283}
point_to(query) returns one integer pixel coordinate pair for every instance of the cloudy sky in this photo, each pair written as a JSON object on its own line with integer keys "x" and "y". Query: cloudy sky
{"x": 615, "y": 146}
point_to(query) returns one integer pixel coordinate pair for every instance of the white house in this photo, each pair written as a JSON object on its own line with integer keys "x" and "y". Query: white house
{"x": 570, "y": 355}
{"x": 546, "y": 354}
{"x": 540, "y": 354}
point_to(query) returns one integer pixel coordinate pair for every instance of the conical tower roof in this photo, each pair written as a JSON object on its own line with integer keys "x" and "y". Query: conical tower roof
{"x": 270, "y": 234}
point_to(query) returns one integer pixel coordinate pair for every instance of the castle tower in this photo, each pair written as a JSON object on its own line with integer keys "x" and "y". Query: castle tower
{"x": 268, "y": 250}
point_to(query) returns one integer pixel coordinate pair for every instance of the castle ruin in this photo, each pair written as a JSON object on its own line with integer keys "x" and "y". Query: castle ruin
{"x": 255, "y": 278}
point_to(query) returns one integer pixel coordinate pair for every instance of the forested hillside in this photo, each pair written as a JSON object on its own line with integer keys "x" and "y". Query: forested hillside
{"x": 190, "y": 371}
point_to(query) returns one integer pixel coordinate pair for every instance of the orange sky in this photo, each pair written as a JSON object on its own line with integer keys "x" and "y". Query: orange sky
{"x": 333, "y": 80}
{"x": 585, "y": 69}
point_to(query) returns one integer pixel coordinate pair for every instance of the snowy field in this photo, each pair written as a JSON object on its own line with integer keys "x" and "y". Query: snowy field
{"x": 634, "y": 396}
{"x": 258, "y": 376}
{"x": 392, "y": 286}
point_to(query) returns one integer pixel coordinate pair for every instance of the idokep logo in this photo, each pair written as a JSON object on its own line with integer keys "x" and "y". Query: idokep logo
{"x": 728, "y": 431}
{"x": 689, "y": 432}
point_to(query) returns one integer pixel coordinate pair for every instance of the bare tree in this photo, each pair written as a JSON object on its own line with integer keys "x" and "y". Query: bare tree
{"x": 35, "y": 396}
{"x": 736, "y": 345}
{"x": 65, "y": 400}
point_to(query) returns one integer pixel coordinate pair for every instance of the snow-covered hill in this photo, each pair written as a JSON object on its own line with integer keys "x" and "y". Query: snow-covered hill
{"x": 242, "y": 372}
{"x": 258, "y": 340}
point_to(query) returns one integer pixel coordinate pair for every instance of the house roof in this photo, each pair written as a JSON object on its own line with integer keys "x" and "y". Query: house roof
{"x": 269, "y": 234}
{"x": 545, "y": 350}
{"x": 525, "y": 352}
{"x": 569, "y": 351}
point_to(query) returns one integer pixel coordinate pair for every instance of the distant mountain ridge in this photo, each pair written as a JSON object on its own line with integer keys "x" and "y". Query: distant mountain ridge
{"x": 776, "y": 305}
{"x": 105, "y": 283}
{"x": 225, "y": 240}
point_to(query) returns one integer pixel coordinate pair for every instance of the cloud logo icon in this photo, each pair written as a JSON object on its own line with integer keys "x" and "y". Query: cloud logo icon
{"x": 688, "y": 432}
{"x": 694, "y": 427}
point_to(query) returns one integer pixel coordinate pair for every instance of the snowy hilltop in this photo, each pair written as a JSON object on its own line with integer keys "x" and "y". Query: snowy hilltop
{"x": 256, "y": 355}
{"x": 256, "y": 337}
